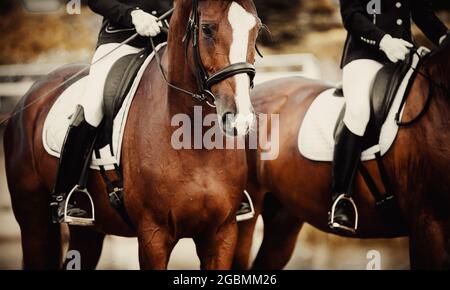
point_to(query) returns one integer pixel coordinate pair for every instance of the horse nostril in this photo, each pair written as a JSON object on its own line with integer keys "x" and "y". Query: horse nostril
{"x": 228, "y": 124}
{"x": 227, "y": 118}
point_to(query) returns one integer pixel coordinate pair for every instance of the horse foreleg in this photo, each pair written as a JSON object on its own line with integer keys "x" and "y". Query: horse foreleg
{"x": 216, "y": 249}
{"x": 244, "y": 244}
{"x": 155, "y": 246}
{"x": 88, "y": 243}
{"x": 281, "y": 230}
{"x": 430, "y": 242}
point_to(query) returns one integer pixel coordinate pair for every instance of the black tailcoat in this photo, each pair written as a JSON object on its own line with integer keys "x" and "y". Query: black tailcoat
{"x": 366, "y": 27}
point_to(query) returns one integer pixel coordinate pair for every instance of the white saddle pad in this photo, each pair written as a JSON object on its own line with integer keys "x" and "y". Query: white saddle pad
{"x": 58, "y": 121}
{"x": 316, "y": 139}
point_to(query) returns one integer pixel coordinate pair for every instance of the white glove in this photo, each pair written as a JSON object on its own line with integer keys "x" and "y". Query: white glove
{"x": 441, "y": 40}
{"x": 145, "y": 23}
{"x": 395, "y": 48}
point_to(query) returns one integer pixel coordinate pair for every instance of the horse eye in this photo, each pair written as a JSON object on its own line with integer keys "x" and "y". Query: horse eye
{"x": 207, "y": 30}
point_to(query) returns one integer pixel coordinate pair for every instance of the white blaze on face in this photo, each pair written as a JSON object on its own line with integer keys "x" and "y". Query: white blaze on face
{"x": 242, "y": 22}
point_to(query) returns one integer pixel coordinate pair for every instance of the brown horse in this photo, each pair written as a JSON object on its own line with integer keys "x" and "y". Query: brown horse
{"x": 169, "y": 194}
{"x": 418, "y": 164}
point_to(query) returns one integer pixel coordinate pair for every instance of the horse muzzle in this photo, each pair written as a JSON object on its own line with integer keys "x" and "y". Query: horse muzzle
{"x": 237, "y": 124}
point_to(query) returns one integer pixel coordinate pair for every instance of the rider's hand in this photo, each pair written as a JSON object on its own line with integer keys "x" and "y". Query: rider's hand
{"x": 395, "y": 48}
{"x": 441, "y": 40}
{"x": 145, "y": 23}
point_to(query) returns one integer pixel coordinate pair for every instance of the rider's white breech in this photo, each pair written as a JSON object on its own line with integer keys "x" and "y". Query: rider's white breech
{"x": 358, "y": 77}
{"x": 92, "y": 98}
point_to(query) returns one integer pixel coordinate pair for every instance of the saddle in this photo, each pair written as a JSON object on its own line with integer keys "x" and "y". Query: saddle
{"x": 384, "y": 91}
{"x": 118, "y": 83}
{"x": 385, "y": 88}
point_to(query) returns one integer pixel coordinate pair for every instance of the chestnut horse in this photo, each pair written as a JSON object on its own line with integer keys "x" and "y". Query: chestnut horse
{"x": 169, "y": 194}
{"x": 418, "y": 165}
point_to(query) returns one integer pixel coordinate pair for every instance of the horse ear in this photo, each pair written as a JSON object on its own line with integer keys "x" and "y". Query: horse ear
{"x": 446, "y": 40}
{"x": 258, "y": 51}
{"x": 264, "y": 35}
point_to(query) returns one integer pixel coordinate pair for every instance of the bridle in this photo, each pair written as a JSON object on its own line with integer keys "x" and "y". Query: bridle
{"x": 204, "y": 80}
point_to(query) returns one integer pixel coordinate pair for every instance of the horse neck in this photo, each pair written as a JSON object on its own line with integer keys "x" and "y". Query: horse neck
{"x": 430, "y": 137}
{"x": 439, "y": 64}
{"x": 438, "y": 67}
{"x": 445, "y": 63}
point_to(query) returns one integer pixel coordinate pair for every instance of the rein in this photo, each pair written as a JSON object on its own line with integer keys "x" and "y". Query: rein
{"x": 204, "y": 81}
{"x": 431, "y": 90}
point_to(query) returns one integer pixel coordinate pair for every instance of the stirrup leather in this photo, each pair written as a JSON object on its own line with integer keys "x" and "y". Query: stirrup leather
{"x": 335, "y": 225}
{"x": 78, "y": 221}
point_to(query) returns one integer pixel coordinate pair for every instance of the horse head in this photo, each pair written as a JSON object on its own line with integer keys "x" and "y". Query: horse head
{"x": 219, "y": 52}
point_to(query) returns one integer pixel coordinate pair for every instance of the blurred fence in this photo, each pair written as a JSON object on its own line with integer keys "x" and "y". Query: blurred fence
{"x": 278, "y": 66}
{"x": 15, "y": 80}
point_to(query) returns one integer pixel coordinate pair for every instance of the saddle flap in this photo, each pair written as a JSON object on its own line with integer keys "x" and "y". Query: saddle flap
{"x": 316, "y": 134}
{"x": 385, "y": 88}
{"x": 57, "y": 120}
{"x": 118, "y": 83}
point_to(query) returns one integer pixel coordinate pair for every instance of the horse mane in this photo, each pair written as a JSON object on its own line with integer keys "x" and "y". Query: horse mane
{"x": 444, "y": 47}
{"x": 439, "y": 59}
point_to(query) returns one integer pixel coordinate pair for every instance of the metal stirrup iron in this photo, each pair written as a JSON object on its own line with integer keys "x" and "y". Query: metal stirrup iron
{"x": 74, "y": 220}
{"x": 335, "y": 225}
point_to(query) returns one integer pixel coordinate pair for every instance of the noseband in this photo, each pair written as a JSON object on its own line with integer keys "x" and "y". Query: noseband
{"x": 204, "y": 80}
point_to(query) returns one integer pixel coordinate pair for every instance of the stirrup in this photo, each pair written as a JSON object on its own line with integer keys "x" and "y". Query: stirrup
{"x": 246, "y": 215}
{"x": 335, "y": 225}
{"x": 78, "y": 221}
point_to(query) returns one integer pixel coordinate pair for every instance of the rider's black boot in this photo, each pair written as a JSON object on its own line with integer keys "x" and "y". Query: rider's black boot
{"x": 343, "y": 217}
{"x": 72, "y": 172}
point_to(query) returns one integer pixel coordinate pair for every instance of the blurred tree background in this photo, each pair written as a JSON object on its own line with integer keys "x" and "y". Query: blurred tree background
{"x": 295, "y": 26}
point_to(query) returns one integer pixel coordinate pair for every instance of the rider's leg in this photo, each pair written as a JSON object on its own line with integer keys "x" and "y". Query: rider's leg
{"x": 92, "y": 98}
{"x": 80, "y": 137}
{"x": 358, "y": 77}
{"x": 77, "y": 147}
